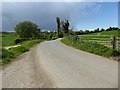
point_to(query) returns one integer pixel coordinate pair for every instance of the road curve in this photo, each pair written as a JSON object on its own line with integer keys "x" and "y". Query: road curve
{"x": 53, "y": 64}
{"x": 71, "y": 68}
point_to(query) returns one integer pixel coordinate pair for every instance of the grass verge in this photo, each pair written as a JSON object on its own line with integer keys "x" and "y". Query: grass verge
{"x": 12, "y": 53}
{"x": 92, "y": 47}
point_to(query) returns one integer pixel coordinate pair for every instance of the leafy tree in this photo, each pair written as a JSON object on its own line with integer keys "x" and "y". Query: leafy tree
{"x": 96, "y": 30}
{"x": 58, "y": 25}
{"x": 109, "y": 29}
{"x": 65, "y": 26}
{"x": 27, "y": 29}
{"x": 86, "y": 31}
{"x": 102, "y": 30}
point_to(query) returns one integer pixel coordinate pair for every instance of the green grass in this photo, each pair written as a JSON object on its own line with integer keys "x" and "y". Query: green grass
{"x": 12, "y": 53}
{"x": 30, "y": 43}
{"x": 92, "y": 47}
{"x": 6, "y": 56}
{"x": 8, "y": 39}
{"x": 109, "y": 33}
{"x": 99, "y": 37}
{"x": 18, "y": 50}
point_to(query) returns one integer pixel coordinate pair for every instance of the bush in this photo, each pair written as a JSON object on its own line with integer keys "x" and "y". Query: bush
{"x": 6, "y": 56}
{"x": 61, "y": 34}
{"x": 27, "y": 29}
{"x": 19, "y": 40}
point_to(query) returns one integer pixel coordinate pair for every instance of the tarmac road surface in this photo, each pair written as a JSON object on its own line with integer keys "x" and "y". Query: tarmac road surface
{"x": 61, "y": 66}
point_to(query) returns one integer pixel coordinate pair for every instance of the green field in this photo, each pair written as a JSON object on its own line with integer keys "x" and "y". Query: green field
{"x": 8, "y": 39}
{"x": 12, "y": 53}
{"x": 97, "y": 43}
{"x": 102, "y": 37}
{"x": 92, "y": 47}
{"x": 108, "y": 33}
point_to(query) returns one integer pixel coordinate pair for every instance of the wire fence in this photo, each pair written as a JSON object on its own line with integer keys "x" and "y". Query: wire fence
{"x": 109, "y": 41}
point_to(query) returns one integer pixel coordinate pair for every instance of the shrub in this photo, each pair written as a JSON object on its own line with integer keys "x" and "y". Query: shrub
{"x": 27, "y": 29}
{"x": 6, "y": 56}
{"x": 19, "y": 40}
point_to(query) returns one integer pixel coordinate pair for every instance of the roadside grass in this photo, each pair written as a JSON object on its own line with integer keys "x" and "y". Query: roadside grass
{"x": 8, "y": 39}
{"x": 10, "y": 54}
{"x": 102, "y": 37}
{"x": 30, "y": 43}
{"x": 6, "y": 56}
{"x": 92, "y": 47}
{"x": 18, "y": 50}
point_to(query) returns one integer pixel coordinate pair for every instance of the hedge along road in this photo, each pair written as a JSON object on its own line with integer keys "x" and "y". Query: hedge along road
{"x": 54, "y": 64}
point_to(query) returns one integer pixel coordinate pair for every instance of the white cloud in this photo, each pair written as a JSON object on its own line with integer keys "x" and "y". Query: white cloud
{"x": 32, "y": 11}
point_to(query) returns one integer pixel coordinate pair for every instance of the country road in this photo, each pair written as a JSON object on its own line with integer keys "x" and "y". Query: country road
{"x": 53, "y": 64}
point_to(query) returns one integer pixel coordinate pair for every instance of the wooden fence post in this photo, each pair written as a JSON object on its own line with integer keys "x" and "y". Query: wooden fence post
{"x": 113, "y": 42}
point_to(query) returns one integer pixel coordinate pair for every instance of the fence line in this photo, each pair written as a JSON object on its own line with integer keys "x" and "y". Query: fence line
{"x": 104, "y": 41}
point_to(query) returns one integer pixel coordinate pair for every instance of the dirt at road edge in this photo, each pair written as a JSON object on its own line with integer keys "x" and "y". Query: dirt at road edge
{"x": 25, "y": 72}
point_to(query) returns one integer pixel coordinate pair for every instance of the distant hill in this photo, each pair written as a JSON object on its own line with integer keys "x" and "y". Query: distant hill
{"x": 110, "y": 33}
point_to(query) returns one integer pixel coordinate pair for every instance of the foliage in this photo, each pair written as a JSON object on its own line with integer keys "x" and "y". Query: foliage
{"x": 6, "y": 56}
{"x": 19, "y": 40}
{"x": 27, "y": 29}
{"x": 9, "y": 55}
{"x": 92, "y": 47}
{"x": 58, "y": 25}
{"x": 65, "y": 26}
{"x": 49, "y": 35}
{"x": 30, "y": 43}
{"x": 108, "y": 30}
{"x": 18, "y": 50}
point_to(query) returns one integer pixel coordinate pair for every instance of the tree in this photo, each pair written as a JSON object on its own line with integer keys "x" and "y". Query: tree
{"x": 109, "y": 29}
{"x": 96, "y": 30}
{"x": 86, "y": 31}
{"x": 27, "y": 30}
{"x": 65, "y": 26}
{"x": 102, "y": 30}
{"x": 58, "y": 25}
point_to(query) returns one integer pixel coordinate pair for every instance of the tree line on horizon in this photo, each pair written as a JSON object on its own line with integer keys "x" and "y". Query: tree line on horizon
{"x": 30, "y": 30}
{"x": 80, "y": 32}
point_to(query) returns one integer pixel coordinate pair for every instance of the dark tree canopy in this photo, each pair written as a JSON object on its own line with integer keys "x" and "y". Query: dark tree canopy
{"x": 27, "y": 29}
{"x": 65, "y": 26}
{"x": 58, "y": 25}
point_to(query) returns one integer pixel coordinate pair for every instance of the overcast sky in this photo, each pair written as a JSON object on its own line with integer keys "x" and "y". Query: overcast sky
{"x": 82, "y": 15}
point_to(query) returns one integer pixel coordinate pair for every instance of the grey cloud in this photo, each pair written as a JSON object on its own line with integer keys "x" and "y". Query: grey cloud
{"x": 44, "y": 14}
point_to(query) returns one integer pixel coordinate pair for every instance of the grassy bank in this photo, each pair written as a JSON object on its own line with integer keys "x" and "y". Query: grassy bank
{"x": 12, "y": 53}
{"x": 9, "y": 39}
{"x": 103, "y": 38}
{"x": 92, "y": 47}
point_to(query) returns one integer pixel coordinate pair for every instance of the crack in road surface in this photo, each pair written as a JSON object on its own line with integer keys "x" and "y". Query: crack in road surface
{"x": 57, "y": 65}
